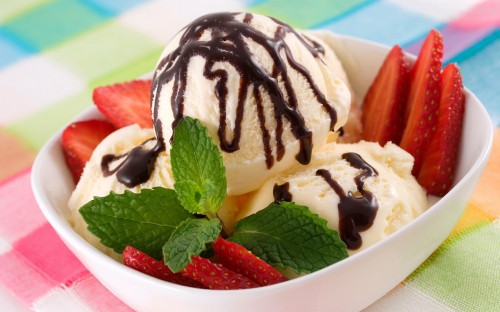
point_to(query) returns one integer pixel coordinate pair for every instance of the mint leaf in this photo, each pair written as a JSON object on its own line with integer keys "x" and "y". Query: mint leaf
{"x": 144, "y": 220}
{"x": 189, "y": 239}
{"x": 189, "y": 193}
{"x": 289, "y": 235}
{"x": 197, "y": 168}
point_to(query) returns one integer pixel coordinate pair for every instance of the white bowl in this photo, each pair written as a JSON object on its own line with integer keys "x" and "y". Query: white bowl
{"x": 349, "y": 285}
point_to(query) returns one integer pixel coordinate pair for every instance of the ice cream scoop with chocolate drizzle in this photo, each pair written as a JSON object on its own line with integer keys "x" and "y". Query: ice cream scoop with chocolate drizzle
{"x": 265, "y": 92}
{"x": 364, "y": 191}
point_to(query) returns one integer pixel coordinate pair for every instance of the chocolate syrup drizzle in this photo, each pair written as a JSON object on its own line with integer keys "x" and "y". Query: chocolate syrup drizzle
{"x": 137, "y": 166}
{"x": 356, "y": 211}
{"x": 281, "y": 192}
{"x": 227, "y": 44}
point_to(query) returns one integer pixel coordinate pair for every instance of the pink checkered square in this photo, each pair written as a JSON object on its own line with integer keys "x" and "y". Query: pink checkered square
{"x": 22, "y": 278}
{"x": 19, "y": 213}
{"x": 47, "y": 252}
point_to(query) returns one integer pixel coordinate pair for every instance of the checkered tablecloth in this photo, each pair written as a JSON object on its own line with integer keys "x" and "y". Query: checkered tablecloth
{"x": 54, "y": 52}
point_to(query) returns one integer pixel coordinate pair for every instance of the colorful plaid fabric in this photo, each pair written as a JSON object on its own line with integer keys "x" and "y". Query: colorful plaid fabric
{"x": 53, "y": 52}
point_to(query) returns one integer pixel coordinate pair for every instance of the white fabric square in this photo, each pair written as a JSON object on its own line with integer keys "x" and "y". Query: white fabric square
{"x": 407, "y": 298}
{"x": 161, "y": 20}
{"x": 33, "y": 84}
{"x": 8, "y": 302}
{"x": 61, "y": 299}
{"x": 5, "y": 246}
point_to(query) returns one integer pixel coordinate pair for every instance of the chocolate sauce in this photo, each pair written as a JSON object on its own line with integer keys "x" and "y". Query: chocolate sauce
{"x": 137, "y": 166}
{"x": 356, "y": 211}
{"x": 227, "y": 44}
{"x": 281, "y": 192}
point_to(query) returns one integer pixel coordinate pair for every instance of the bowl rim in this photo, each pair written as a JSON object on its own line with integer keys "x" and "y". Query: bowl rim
{"x": 67, "y": 233}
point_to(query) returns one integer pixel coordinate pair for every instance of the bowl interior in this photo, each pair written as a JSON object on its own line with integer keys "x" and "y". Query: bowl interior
{"x": 52, "y": 186}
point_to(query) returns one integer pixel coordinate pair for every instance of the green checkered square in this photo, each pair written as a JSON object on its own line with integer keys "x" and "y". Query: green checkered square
{"x": 109, "y": 53}
{"x": 11, "y": 9}
{"x": 304, "y": 14}
{"x": 53, "y": 23}
{"x": 35, "y": 130}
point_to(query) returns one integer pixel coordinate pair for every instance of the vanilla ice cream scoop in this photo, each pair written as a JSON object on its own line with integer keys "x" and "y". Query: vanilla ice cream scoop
{"x": 267, "y": 94}
{"x": 99, "y": 176}
{"x": 364, "y": 191}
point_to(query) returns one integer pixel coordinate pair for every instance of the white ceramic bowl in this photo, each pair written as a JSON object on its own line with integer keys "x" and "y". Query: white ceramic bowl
{"x": 349, "y": 285}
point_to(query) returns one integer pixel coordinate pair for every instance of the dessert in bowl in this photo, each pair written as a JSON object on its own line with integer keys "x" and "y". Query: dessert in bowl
{"x": 350, "y": 284}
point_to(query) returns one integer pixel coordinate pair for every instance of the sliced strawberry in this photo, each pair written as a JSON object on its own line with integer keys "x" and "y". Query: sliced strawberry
{"x": 125, "y": 103}
{"x": 215, "y": 275}
{"x": 440, "y": 160}
{"x": 384, "y": 103}
{"x": 240, "y": 260}
{"x": 140, "y": 261}
{"x": 423, "y": 98}
{"x": 79, "y": 140}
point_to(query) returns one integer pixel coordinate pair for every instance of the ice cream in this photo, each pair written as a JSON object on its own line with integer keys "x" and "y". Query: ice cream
{"x": 268, "y": 94}
{"x": 364, "y": 191}
{"x": 99, "y": 177}
{"x": 274, "y": 100}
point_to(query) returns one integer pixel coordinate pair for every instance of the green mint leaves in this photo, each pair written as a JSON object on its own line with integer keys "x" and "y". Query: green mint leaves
{"x": 189, "y": 239}
{"x": 199, "y": 174}
{"x": 289, "y": 235}
{"x": 170, "y": 223}
{"x": 144, "y": 220}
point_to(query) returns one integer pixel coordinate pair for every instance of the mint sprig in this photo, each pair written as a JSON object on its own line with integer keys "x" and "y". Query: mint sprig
{"x": 289, "y": 235}
{"x": 144, "y": 220}
{"x": 189, "y": 239}
{"x": 197, "y": 167}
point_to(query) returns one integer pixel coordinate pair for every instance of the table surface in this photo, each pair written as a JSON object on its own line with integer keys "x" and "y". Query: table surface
{"x": 10, "y": 303}
{"x": 54, "y": 52}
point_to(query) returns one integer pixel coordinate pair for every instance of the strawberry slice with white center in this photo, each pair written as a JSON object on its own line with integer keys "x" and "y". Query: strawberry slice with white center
{"x": 440, "y": 159}
{"x": 240, "y": 260}
{"x": 383, "y": 105}
{"x": 215, "y": 275}
{"x": 142, "y": 262}
{"x": 79, "y": 140}
{"x": 423, "y": 98}
{"x": 126, "y": 103}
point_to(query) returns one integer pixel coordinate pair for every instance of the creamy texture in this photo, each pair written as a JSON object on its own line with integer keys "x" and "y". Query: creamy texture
{"x": 268, "y": 95}
{"x": 274, "y": 100}
{"x": 94, "y": 183}
{"x": 352, "y": 130}
{"x": 397, "y": 195}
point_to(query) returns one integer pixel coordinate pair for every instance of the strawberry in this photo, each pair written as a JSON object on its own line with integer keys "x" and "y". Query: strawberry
{"x": 141, "y": 262}
{"x": 423, "y": 98}
{"x": 240, "y": 260}
{"x": 79, "y": 140}
{"x": 125, "y": 103}
{"x": 384, "y": 103}
{"x": 215, "y": 275}
{"x": 438, "y": 166}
